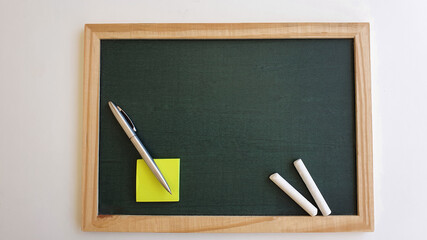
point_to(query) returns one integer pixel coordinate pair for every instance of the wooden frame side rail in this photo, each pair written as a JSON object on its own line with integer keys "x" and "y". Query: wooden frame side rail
{"x": 363, "y": 221}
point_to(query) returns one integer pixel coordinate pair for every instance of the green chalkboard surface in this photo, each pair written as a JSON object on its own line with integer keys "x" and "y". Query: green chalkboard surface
{"x": 234, "y": 112}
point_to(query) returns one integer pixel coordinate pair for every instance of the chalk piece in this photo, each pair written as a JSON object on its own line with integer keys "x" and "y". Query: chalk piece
{"x": 312, "y": 187}
{"x": 149, "y": 189}
{"x": 294, "y": 194}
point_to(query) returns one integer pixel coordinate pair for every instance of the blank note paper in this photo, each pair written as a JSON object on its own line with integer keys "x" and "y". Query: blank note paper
{"x": 149, "y": 189}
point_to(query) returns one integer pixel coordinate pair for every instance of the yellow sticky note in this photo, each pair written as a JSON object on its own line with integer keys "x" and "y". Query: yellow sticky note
{"x": 149, "y": 189}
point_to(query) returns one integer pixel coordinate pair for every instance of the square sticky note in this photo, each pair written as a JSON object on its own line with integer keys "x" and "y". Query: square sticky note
{"x": 149, "y": 189}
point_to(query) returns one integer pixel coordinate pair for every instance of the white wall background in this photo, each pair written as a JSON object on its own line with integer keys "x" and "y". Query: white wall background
{"x": 41, "y": 69}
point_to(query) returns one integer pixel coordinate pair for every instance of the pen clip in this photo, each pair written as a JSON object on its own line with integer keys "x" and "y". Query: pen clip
{"x": 127, "y": 119}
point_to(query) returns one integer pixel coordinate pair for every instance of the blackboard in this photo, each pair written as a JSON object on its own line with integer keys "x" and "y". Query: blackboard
{"x": 234, "y": 111}
{"x": 236, "y": 103}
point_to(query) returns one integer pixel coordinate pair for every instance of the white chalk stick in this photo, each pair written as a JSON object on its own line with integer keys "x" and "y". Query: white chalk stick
{"x": 312, "y": 187}
{"x": 294, "y": 194}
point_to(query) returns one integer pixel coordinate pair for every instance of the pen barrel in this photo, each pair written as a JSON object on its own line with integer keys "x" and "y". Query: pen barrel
{"x": 149, "y": 161}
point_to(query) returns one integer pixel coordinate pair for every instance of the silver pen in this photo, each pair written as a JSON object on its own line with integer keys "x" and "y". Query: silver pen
{"x": 130, "y": 130}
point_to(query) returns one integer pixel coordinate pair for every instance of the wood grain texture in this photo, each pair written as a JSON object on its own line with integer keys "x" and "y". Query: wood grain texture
{"x": 364, "y": 127}
{"x": 91, "y": 221}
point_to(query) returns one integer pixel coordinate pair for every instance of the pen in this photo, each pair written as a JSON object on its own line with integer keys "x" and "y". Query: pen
{"x": 130, "y": 130}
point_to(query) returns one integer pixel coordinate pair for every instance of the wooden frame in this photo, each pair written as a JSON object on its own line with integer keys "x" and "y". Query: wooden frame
{"x": 363, "y": 221}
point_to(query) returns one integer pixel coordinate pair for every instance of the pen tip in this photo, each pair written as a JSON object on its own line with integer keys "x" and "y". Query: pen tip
{"x": 166, "y": 186}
